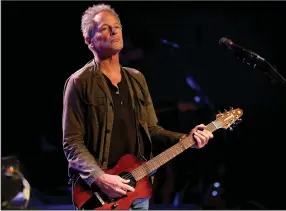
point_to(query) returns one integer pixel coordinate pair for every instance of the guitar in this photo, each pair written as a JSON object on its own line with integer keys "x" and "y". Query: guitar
{"x": 129, "y": 167}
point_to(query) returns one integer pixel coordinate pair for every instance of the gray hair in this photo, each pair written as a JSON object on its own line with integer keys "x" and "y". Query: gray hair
{"x": 87, "y": 20}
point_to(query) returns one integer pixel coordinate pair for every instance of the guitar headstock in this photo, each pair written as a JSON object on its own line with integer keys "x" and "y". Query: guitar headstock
{"x": 228, "y": 119}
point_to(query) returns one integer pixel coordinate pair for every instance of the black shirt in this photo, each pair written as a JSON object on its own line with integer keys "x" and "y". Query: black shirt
{"x": 123, "y": 137}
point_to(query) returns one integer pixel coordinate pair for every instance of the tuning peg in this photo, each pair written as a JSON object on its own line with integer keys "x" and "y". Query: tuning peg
{"x": 225, "y": 110}
{"x": 236, "y": 123}
{"x": 220, "y": 114}
{"x": 230, "y": 128}
{"x": 231, "y": 108}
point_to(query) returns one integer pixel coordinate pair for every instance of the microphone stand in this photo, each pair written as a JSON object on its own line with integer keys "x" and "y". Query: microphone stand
{"x": 263, "y": 65}
{"x": 278, "y": 77}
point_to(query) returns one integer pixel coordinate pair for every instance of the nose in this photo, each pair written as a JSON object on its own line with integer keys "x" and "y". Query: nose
{"x": 112, "y": 31}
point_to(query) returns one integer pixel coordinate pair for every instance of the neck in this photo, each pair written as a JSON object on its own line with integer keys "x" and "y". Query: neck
{"x": 109, "y": 65}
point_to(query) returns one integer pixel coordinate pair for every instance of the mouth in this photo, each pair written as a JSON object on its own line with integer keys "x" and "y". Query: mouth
{"x": 115, "y": 40}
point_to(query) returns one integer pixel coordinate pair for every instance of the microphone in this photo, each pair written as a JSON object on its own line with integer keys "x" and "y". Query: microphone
{"x": 253, "y": 59}
{"x": 240, "y": 51}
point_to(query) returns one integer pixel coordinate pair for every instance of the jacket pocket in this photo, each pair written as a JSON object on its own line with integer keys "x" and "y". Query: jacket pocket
{"x": 143, "y": 116}
{"x": 98, "y": 101}
{"x": 141, "y": 99}
{"x": 98, "y": 104}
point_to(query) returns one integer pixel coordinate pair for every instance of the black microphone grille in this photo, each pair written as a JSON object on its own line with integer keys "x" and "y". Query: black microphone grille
{"x": 226, "y": 42}
{"x": 222, "y": 40}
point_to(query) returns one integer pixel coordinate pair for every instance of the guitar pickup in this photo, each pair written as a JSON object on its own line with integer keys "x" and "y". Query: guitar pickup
{"x": 99, "y": 198}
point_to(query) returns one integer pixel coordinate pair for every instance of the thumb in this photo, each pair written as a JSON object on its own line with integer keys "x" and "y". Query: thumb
{"x": 201, "y": 127}
{"x": 125, "y": 180}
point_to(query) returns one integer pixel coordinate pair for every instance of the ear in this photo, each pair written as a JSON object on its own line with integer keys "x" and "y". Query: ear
{"x": 87, "y": 40}
{"x": 89, "y": 43}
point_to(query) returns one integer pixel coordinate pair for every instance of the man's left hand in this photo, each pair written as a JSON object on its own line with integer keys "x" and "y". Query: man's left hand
{"x": 201, "y": 136}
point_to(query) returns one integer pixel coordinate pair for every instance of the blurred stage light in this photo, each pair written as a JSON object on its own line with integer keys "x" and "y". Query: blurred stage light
{"x": 197, "y": 99}
{"x": 216, "y": 184}
{"x": 15, "y": 189}
{"x": 214, "y": 193}
{"x": 166, "y": 42}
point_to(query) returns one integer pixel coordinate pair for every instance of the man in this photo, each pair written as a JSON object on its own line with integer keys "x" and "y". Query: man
{"x": 108, "y": 111}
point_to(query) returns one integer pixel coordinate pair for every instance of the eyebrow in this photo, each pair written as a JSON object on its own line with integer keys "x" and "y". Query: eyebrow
{"x": 105, "y": 24}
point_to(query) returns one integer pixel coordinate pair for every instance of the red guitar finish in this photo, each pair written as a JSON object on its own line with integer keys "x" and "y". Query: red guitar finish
{"x": 143, "y": 189}
{"x": 83, "y": 195}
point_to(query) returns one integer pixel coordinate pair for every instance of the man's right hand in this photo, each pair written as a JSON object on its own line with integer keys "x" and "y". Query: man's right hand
{"x": 112, "y": 185}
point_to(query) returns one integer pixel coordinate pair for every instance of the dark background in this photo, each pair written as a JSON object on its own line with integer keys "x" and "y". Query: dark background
{"x": 42, "y": 45}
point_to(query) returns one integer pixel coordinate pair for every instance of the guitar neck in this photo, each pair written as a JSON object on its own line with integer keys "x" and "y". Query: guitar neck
{"x": 166, "y": 156}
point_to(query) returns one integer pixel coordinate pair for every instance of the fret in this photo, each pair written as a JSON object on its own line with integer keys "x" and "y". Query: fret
{"x": 212, "y": 127}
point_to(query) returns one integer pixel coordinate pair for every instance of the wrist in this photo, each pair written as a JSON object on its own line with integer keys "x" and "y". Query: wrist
{"x": 183, "y": 137}
{"x": 93, "y": 178}
{"x": 99, "y": 178}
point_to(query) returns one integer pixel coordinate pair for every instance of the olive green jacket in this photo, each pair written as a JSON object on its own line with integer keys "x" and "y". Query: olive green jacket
{"x": 88, "y": 115}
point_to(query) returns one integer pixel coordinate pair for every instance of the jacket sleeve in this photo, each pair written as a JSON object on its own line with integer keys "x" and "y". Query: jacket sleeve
{"x": 73, "y": 126}
{"x": 157, "y": 133}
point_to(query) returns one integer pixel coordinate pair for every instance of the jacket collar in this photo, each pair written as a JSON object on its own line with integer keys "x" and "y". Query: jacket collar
{"x": 104, "y": 86}
{"x": 101, "y": 80}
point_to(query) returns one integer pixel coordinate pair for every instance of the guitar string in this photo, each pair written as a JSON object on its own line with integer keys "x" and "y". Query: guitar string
{"x": 128, "y": 176}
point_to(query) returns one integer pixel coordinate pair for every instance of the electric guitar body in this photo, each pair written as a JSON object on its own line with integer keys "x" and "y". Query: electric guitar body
{"x": 128, "y": 167}
{"x": 96, "y": 199}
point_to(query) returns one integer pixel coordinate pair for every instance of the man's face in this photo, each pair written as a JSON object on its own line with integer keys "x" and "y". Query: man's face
{"x": 107, "y": 38}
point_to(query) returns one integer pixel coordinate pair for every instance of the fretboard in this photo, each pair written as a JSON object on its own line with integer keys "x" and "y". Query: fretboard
{"x": 166, "y": 156}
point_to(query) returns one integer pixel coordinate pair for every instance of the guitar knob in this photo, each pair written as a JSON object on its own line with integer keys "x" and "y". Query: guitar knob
{"x": 114, "y": 205}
